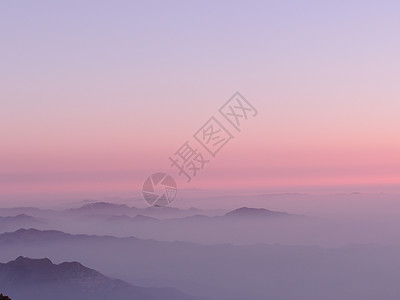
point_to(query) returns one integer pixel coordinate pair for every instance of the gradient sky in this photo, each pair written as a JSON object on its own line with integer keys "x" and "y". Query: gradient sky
{"x": 96, "y": 95}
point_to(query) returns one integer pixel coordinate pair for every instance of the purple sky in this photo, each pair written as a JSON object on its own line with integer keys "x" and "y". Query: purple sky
{"x": 96, "y": 95}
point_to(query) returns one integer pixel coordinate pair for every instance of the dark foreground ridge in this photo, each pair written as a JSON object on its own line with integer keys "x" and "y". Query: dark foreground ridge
{"x": 40, "y": 279}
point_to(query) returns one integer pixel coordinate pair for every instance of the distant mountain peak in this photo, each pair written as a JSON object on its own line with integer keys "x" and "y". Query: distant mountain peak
{"x": 34, "y": 231}
{"x": 143, "y": 218}
{"x": 38, "y": 237}
{"x": 21, "y": 260}
{"x": 102, "y": 205}
{"x": 125, "y": 218}
{"x": 22, "y": 216}
{"x": 254, "y": 212}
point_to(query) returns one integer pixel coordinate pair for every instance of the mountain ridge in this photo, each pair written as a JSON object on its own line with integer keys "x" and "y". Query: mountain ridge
{"x": 41, "y": 279}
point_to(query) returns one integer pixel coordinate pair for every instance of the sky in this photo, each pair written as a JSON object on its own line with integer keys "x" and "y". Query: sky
{"x": 97, "y": 95}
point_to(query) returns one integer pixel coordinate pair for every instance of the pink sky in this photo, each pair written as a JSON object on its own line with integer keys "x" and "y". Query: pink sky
{"x": 96, "y": 99}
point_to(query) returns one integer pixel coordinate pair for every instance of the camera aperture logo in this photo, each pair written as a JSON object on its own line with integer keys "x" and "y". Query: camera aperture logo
{"x": 160, "y": 189}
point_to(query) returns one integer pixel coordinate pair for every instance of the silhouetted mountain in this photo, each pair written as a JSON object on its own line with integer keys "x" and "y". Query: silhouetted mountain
{"x": 223, "y": 271}
{"x": 19, "y": 218}
{"x": 243, "y": 213}
{"x": 196, "y": 217}
{"x": 125, "y": 218}
{"x": 19, "y": 221}
{"x": 100, "y": 211}
{"x": 105, "y": 208}
{"x": 37, "y": 237}
{"x": 31, "y": 211}
{"x": 40, "y": 279}
{"x": 101, "y": 207}
{"x": 246, "y": 212}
